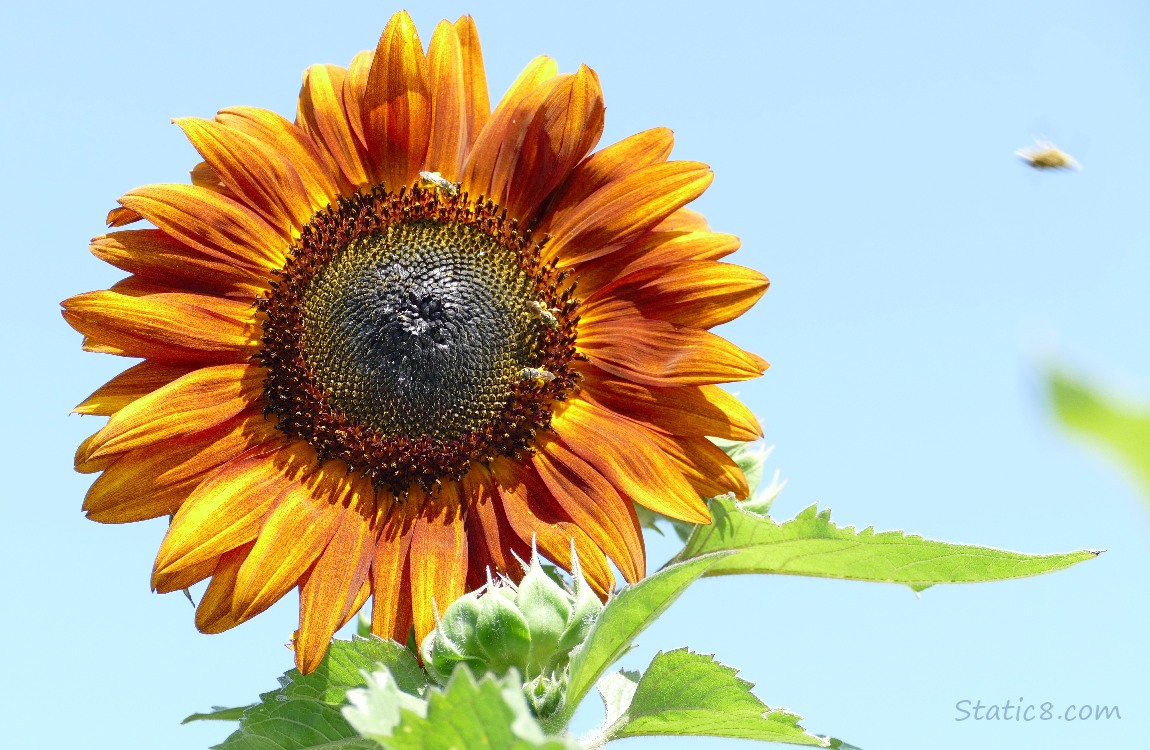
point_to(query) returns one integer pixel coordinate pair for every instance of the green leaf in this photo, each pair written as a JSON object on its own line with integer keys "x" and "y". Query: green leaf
{"x": 219, "y": 713}
{"x": 811, "y": 545}
{"x": 1123, "y": 430}
{"x": 304, "y": 712}
{"x": 626, "y": 615}
{"x": 684, "y": 693}
{"x": 617, "y": 689}
{"x": 491, "y": 713}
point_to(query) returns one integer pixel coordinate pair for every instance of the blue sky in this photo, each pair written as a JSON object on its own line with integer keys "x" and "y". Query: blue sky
{"x": 920, "y": 275}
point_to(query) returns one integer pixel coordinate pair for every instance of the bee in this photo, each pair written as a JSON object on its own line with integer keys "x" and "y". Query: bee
{"x": 439, "y": 181}
{"x": 546, "y": 314}
{"x": 536, "y": 373}
{"x": 1045, "y": 155}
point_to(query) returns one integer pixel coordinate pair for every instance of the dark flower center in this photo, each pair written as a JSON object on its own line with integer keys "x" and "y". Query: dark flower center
{"x": 410, "y": 334}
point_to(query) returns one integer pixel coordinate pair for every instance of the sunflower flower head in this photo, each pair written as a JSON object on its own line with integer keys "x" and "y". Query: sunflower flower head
{"x": 387, "y": 346}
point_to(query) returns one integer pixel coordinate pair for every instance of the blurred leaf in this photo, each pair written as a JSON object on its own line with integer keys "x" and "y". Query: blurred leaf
{"x": 617, "y": 689}
{"x": 490, "y": 713}
{"x": 1123, "y": 430}
{"x": 626, "y": 614}
{"x": 684, "y": 693}
{"x": 304, "y": 712}
{"x": 811, "y": 545}
{"x": 750, "y": 457}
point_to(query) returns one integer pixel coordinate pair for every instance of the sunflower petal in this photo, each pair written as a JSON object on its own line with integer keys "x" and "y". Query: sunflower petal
{"x": 490, "y": 537}
{"x": 138, "y": 380}
{"x": 449, "y": 105}
{"x": 397, "y": 104}
{"x": 477, "y": 102}
{"x": 711, "y": 471}
{"x": 629, "y": 460}
{"x": 321, "y": 113}
{"x": 153, "y": 255}
{"x": 437, "y": 561}
{"x": 655, "y": 248}
{"x": 214, "y": 613}
{"x": 390, "y": 578}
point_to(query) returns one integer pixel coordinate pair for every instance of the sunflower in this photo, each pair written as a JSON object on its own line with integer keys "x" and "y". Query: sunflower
{"x": 390, "y": 345}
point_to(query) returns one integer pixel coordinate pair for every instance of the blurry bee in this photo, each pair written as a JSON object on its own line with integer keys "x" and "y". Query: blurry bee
{"x": 546, "y": 314}
{"x": 1045, "y": 155}
{"x": 536, "y": 373}
{"x": 439, "y": 181}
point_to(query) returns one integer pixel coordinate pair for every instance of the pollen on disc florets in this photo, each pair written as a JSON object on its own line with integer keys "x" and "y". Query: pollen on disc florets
{"x": 412, "y": 333}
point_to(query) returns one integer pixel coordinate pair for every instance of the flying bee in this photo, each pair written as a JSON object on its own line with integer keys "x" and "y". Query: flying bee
{"x": 439, "y": 181}
{"x": 1045, "y": 155}
{"x": 536, "y": 373}
{"x": 546, "y": 314}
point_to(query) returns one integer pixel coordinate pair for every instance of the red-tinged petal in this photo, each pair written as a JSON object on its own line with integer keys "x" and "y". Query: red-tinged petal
{"x": 214, "y": 612}
{"x": 593, "y": 503}
{"x": 449, "y": 107}
{"x": 155, "y": 480}
{"x": 301, "y": 522}
{"x": 190, "y": 576}
{"x": 212, "y": 223}
{"x": 622, "y": 210}
{"x": 701, "y": 294}
{"x": 661, "y": 354}
{"x": 630, "y": 461}
{"x": 83, "y": 461}
{"x": 328, "y": 591}
{"x": 654, "y": 248}
{"x": 177, "y": 328}
{"x": 121, "y": 217}
{"x": 491, "y": 539}
{"x": 153, "y": 255}
{"x": 197, "y": 401}
{"x": 689, "y": 410}
{"x": 397, "y": 105}
{"x": 203, "y": 175}
{"x": 360, "y": 599}
{"x": 478, "y": 173}
{"x": 255, "y": 172}
{"x": 705, "y": 465}
{"x": 556, "y": 136}
{"x": 537, "y": 519}
{"x": 293, "y": 143}
{"x": 390, "y": 578}
{"x": 354, "y": 88}
{"x": 437, "y": 561}
{"x": 138, "y": 380}
{"x": 228, "y": 508}
{"x": 321, "y": 113}
{"x": 477, "y": 103}
{"x": 605, "y": 166}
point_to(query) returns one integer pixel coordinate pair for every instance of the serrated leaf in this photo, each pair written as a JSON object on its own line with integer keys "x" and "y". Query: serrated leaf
{"x": 684, "y": 693}
{"x": 625, "y": 615}
{"x": 1123, "y": 430}
{"x": 811, "y": 545}
{"x": 490, "y": 713}
{"x": 303, "y": 714}
{"x": 219, "y": 713}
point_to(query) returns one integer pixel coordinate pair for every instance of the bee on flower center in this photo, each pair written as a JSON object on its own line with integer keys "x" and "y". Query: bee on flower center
{"x": 537, "y": 374}
{"x": 546, "y": 314}
{"x": 439, "y": 181}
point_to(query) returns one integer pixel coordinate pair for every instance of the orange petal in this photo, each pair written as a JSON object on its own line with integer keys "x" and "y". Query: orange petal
{"x": 689, "y": 410}
{"x": 711, "y": 471}
{"x": 661, "y": 354}
{"x": 354, "y": 87}
{"x": 477, "y": 105}
{"x": 214, "y": 613}
{"x": 478, "y": 173}
{"x": 537, "y": 519}
{"x": 171, "y": 328}
{"x": 197, "y": 401}
{"x": 491, "y": 539}
{"x": 205, "y": 176}
{"x": 190, "y": 576}
{"x": 211, "y": 223}
{"x": 83, "y": 462}
{"x": 593, "y": 503}
{"x": 390, "y": 579}
{"x": 155, "y": 256}
{"x": 397, "y": 105}
{"x": 155, "y": 481}
{"x": 449, "y": 107}
{"x": 608, "y": 165}
{"x": 228, "y": 508}
{"x": 256, "y": 173}
{"x": 701, "y": 294}
{"x": 655, "y": 248}
{"x": 329, "y": 590}
{"x": 555, "y": 137}
{"x": 138, "y": 380}
{"x": 622, "y": 210}
{"x": 321, "y": 113}
{"x": 634, "y": 464}
{"x": 293, "y": 144}
{"x": 301, "y": 522}
{"x": 121, "y": 216}
{"x": 437, "y": 561}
